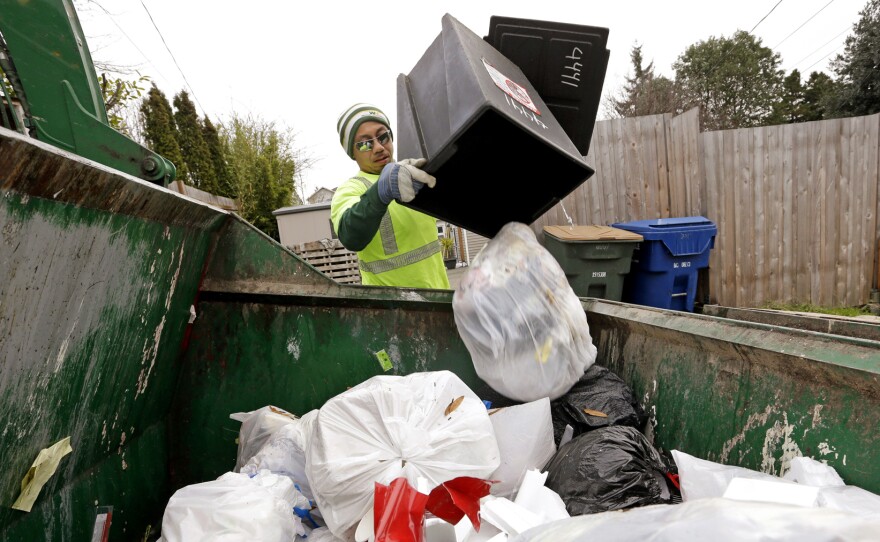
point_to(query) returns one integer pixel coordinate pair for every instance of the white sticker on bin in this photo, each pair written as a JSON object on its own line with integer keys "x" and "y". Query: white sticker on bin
{"x": 511, "y": 88}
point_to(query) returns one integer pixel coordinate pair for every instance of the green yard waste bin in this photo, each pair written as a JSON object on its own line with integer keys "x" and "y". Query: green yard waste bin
{"x": 594, "y": 258}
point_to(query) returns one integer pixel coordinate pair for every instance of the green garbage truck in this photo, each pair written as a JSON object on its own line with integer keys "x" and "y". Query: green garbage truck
{"x": 134, "y": 320}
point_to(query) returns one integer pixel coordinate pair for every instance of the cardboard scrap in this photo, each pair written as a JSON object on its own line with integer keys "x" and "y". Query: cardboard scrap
{"x": 43, "y": 467}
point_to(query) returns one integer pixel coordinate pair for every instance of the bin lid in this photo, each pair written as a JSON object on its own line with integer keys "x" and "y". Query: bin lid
{"x": 590, "y": 233}
{"x": 682, "y": 236}
{"x": 660, "y": 225}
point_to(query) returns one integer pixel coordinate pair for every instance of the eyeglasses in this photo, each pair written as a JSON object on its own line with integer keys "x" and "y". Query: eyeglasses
{"x": 367, "y": 144}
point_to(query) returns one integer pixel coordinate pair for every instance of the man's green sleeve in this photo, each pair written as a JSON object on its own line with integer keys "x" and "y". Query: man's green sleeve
{"x": 360, "y": 222}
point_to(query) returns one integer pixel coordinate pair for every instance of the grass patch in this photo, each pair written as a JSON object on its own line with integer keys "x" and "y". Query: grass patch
{"x": 808, "y": 307}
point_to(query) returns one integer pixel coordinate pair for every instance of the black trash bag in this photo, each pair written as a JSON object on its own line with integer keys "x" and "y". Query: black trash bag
{"x": 611, "y": 468}
{"x": 601, "y": 391}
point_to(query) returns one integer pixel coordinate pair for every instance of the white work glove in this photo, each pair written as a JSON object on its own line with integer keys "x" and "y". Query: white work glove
{"x": 402, "y": 180}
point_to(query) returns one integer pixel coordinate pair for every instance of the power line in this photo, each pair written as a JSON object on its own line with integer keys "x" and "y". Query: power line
{"x": 823, "y": 58}
{"x": 764, "y": 17}
{"x": 110, "y": 16}
{"x": 845, "y": 30}
{"x": 802, "y": 25}
{"x": 174, "y": 59}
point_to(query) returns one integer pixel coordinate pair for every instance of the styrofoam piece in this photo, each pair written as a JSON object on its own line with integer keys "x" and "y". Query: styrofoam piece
{"x": 851, "y": 499}
{"x": 702, "y": 479}
{"x": 567, "y": 435}
{"x": 808, "y": 471}
{"x": 534, "y": 496}
{"x": 437, "y": 530}
{"x": 508, "y": 516}
{"x": 744, "y": 489}
{"x": 525, "y": 441}
{"x": 464, "y": 531}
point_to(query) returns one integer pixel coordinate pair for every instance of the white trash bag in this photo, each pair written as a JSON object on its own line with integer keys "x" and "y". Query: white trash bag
{"x": 256, "y": 428}
{"x": 701, "y": 479}
{"x": 234, "y": 507}
{"x": 428, "y": 425}
{"x": 522, "y": 323}
{"x": 285, "y": 453}
{"x": 715, "y": 519}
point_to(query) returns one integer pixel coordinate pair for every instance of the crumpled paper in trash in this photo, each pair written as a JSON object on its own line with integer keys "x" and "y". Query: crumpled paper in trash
{"x": 41, "y": 470}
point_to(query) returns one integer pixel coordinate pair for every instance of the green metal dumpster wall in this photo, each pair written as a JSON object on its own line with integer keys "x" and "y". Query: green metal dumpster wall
{"x": 97, "y": 276}
{"x": 748, "y": 394}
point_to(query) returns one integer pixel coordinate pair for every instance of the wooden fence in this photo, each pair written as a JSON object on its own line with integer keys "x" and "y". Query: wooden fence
{"x": 228, "y": 204}
{"x": 796, "y": 205}
{"x": 332, "y": 259}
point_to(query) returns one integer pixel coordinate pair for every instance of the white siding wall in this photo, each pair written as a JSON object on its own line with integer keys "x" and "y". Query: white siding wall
{"x": 475, "y": 243}
{"x": 297, "y": 228}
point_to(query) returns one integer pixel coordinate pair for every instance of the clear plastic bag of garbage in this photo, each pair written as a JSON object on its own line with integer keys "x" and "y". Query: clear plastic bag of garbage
{"x": 428, "y": 425}
{"x": 235, "y": 506}
{"x": 256, "y": 428}
{"x": 522, "y": 323}
{"x": 715, "y": 519}
{"x": 285, "y": 453}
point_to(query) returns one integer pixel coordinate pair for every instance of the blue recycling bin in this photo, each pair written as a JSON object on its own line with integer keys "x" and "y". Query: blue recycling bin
{"x": 666, "y": 264}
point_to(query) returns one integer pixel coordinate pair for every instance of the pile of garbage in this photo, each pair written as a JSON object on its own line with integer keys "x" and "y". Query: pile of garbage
{"x": 423, "y": 458}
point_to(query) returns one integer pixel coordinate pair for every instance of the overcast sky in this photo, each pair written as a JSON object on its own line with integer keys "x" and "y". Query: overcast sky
{"x": 302, "y": 63}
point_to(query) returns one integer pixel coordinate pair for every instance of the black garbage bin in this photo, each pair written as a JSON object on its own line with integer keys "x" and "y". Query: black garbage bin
{"x": 497, "y": 151}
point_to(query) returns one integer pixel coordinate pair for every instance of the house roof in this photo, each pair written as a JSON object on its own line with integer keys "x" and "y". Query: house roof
{"x": 301, "y": 208}
{"x": 322, "y": 193}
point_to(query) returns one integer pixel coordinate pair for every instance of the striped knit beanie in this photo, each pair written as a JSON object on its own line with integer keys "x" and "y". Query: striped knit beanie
{"x": 351, "y": 120}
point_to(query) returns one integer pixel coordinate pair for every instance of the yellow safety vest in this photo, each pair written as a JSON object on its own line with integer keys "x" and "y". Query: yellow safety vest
{"x": 404, "y": 252}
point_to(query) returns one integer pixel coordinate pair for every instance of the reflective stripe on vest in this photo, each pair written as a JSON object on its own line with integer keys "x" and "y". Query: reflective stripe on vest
{"x": 389, "y": 245}
{"x": 386, "y": 227}
{"x": 401, "y": 260}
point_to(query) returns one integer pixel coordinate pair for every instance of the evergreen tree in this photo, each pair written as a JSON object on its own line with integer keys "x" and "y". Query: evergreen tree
{"x": 192, "y": 144}
{"x": 819, "y": 92}
{"x": 159, "y": 129}
{"x": 858, "y": 67}
{"x": 218, "y": 158}
{"x": 790, "y": 107}
{"x": 736, "y": 81}
{"x": 262, "y": 164}
{"x": 644, "y": 93}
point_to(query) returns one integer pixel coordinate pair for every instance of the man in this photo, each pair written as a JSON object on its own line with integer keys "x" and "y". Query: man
{"x": 396, "y": 245}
